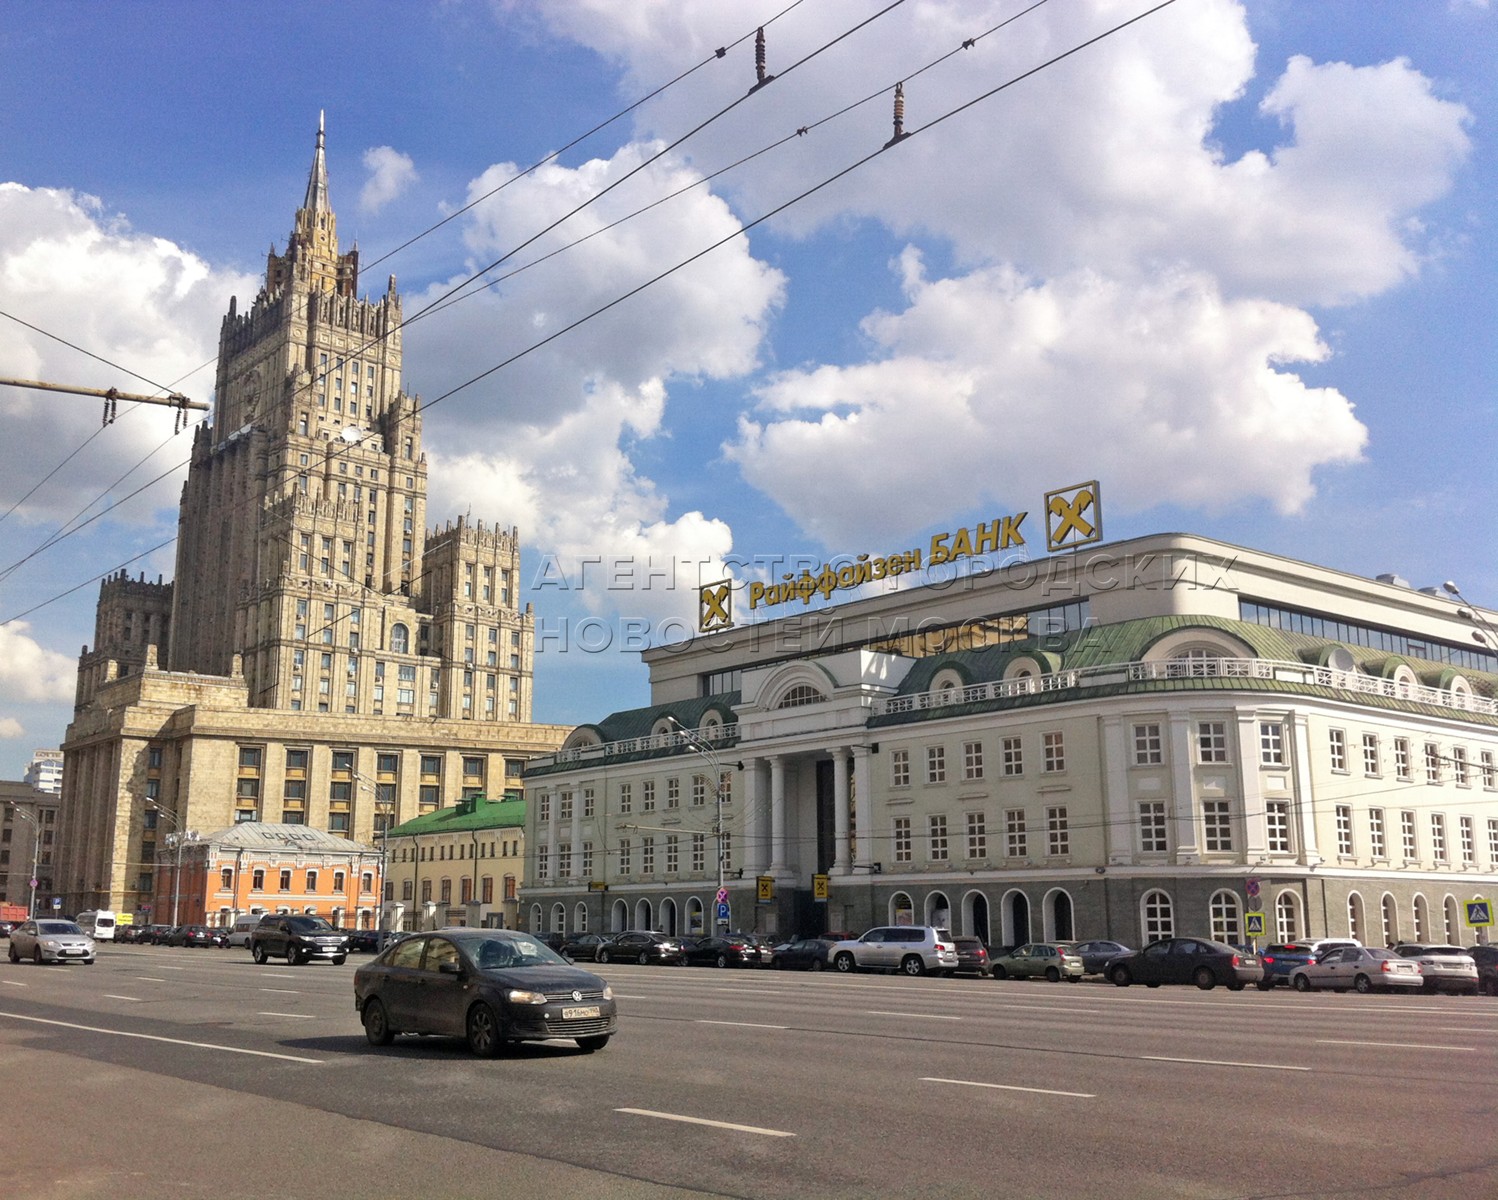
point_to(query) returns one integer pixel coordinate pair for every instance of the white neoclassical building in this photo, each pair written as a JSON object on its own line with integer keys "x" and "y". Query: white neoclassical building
{"x": 1162, "y": 735}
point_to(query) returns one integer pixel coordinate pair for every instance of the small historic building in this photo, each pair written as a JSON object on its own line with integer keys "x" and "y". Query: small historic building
{"x": 1169, "y": 734}
{"x": 257, "y": 867}
{"x": 458, "y": 866}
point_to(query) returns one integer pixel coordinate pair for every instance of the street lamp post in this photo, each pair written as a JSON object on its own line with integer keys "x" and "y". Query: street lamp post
{"x": 1484, "y": 634}
{"x": 36, "y": 845}
{"x": 700, "y": 747}
{"x": 176, "y": 841}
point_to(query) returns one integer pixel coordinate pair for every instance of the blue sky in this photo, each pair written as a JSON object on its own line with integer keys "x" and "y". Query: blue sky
{"x": 1235, "y": 263}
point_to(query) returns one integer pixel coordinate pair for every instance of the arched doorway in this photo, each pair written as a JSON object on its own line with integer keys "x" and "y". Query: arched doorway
{"x": 1056, "y": 918}
{"x": 619, "y": 917}
{"x": 694, "y": 916}
{"x": 644, "y": 914}
{"x": 668, "y": 917}
{"x": 1015, "y": 909}
{"x": 975, "y": 916}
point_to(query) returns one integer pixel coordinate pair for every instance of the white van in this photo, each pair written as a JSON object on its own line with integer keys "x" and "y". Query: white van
{"x": 239, "y": 935}
{"x": 97, "y": 923}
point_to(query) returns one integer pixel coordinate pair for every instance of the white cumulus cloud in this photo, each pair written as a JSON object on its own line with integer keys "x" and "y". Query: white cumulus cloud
{"x": 548, "y": 442}
{"x": 992, "y": 386}
{"x": 390, "y": 174}
{"x": 31, "y": 673}
{"x": 70, "y": 269}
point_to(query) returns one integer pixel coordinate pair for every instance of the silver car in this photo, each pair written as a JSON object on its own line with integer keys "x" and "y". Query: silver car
{"x": 1053, "y": 961}
{"x": 1361, "y": 969}
{"x": 51, "y": 941}
{"x": 911, "y": 949}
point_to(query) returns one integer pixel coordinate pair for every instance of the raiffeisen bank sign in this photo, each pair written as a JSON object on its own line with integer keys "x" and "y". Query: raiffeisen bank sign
{"x": 1073, "y": 518}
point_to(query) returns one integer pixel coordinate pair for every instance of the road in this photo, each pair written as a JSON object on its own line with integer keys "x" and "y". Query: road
{"x": 170, "y": 1072}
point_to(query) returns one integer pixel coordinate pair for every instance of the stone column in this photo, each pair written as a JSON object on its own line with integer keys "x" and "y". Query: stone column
{"x": 840, "y": 823}
{"x": 863, "y": 807}
{"x": 777, "y": 816}
{"x": 751, "y": 850}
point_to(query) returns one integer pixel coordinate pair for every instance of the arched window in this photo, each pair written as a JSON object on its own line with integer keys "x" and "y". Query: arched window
{"x": 1453, "y": 921}
{"x": 1391, "y": 920}
{"x": 938, "y": 910}
{"x": 400, "y": 639}
{"x": 1286, "y": 917}
{"x": 558, "y": 919}
{"x": 901, "y": 910}
{"x": 1157, "y": 916}
{"x": 1422, "y": 919}
{"x": 619, "y": 917}
{"x": 536, "y": 925}
{"x": 695, "y": 924}
{"x": 580, "y": 918}
{"x": 1224, "y": 914}
{"x": 1356, "y": 920}
{"x": 644, "y": 915}
{"x": 800, "y": 696}
{"x": 668, "y": 917}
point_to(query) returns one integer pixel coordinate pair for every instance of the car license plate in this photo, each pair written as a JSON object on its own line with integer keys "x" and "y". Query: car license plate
{"x": 580, "y": 1014}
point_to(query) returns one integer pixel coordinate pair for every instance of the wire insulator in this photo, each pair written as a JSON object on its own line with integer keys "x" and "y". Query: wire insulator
{"x": 762, "y": 77}
{"x": 899, "y": 114}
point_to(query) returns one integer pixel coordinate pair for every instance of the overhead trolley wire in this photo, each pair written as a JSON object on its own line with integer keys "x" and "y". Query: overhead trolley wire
{"x": 459, "y": 288}
{"x": 744, "y": 227}
{"x": 720, "y": 53}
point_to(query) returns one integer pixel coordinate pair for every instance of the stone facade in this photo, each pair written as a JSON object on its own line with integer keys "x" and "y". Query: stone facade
{"x": 321, "y": 657}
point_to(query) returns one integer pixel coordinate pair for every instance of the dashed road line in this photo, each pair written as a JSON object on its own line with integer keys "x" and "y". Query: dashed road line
{"x": 663, "y": 1116}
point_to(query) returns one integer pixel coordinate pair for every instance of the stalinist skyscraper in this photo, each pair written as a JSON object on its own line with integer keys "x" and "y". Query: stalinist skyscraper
{"x": 321, "y": 658}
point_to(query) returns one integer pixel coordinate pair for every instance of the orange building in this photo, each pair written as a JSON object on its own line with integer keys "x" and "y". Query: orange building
{"x": 255, "y": 867}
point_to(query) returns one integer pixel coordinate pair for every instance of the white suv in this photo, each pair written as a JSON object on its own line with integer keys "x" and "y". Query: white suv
{"x": 913, "y": 949}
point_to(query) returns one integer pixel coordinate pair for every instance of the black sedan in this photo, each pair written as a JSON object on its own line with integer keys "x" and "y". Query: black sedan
{"x": 490, "y": 986}
{"x": 583, "y": 947}
{"x": 192, "y": 935}
{"x": 731, "y": 950}
{"x": 1187, "y": 960}
{"x": 804, "y": 953}
{"x": 642, "y": 946}
{"x": 1097, "y": 954}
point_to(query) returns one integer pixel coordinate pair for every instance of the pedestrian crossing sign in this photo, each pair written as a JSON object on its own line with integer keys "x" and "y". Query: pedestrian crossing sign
{"x": 1253, "y": 924}
{"x": 1479, "y": 913}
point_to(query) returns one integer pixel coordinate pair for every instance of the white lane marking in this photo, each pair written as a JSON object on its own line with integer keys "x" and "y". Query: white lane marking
{"x": 149, "y": 979}
{"x": 12, "y": 983}
{"x": 743, "y": 1024}
{"x": 151, "y": 1037}
{"x": 164, "y": 967}
{"x": 112, "y": 996}
{"x": 282, "y": 991}
{"x": 1393, "y": 1045}
{"x": 879, "y": 1012}
{"x": 1009, "y": 1087}
{"x": 1045, "y": 1008}
{"x": 1218, "y": 1062}
{"x": 645, "y": 1112}
{"x": 299, "y": 1016}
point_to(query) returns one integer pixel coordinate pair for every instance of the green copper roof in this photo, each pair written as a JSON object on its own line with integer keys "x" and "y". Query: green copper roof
{"x": 469, "y": 815}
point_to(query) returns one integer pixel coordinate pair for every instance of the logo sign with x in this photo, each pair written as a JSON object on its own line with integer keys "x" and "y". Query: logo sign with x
{"x": 715, "y": 606}
{"x": 1074, "y": 516}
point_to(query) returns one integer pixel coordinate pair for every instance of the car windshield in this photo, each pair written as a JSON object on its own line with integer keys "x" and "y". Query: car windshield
{"x": 311, "y": 925}
{"x": 502, "y": 953}
{"x": 56, "y": 927}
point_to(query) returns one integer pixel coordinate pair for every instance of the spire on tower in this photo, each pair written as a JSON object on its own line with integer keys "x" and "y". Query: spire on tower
{"x": 317, "y": 181}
